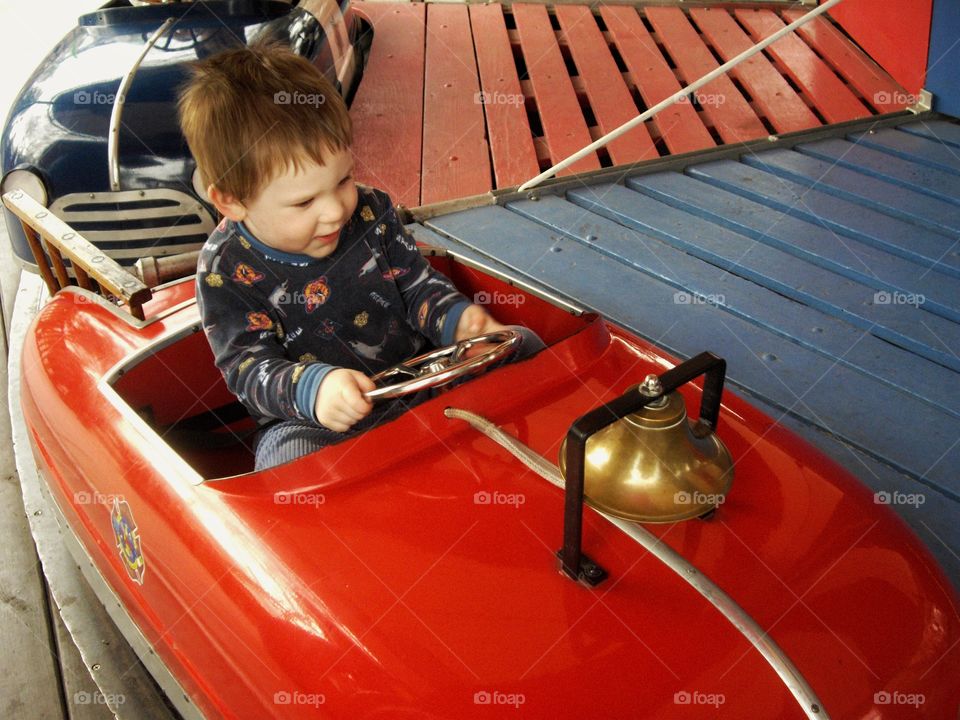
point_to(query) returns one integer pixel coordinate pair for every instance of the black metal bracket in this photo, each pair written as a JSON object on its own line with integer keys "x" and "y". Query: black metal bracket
{"x": 573, "y": 562}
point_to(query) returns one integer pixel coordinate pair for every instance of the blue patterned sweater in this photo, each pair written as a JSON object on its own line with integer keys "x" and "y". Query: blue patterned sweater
{"x": 278, "y": 323}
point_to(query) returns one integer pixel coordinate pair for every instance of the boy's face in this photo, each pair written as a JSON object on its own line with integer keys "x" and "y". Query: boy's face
{"x": 302, "y": 211}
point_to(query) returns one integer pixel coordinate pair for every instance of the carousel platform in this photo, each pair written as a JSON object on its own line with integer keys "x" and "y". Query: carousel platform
{"x": 826, "y": 272}
{"x": 458, "y": 99}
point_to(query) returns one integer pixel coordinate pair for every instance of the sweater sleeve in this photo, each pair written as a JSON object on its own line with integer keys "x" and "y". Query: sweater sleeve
{"x": 246, "y": 339}
{"x": 433, "y": 303}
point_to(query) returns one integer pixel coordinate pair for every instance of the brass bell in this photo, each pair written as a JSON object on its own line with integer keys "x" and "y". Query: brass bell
{"x": 654, "y": 465}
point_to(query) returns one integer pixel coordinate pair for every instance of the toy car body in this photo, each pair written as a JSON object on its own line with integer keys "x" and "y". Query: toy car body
{"x": 94, "y": 135}
{"x": 411, "y": 571}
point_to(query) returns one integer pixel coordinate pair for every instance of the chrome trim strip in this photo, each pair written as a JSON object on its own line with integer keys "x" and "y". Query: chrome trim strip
{"x": 113, "y": 142}
{"x": 728, "y": 607}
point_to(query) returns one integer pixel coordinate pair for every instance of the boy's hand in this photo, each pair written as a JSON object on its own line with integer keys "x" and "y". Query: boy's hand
{"x": 476, "y": 321}
{"x": 340, "y": 401}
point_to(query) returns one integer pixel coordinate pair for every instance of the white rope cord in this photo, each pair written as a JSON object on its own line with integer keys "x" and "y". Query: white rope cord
{"x": 692, "y": 87}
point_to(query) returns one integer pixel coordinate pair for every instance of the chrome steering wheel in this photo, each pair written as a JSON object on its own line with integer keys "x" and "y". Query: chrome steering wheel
{"x": 443, "y": 365}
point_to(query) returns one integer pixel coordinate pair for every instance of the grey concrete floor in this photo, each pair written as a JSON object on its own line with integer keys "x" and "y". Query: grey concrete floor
{"x": 41, "y": 673}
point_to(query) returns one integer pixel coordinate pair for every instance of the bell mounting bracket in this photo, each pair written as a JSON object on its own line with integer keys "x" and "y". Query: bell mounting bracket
{"x": 573, "y": 562}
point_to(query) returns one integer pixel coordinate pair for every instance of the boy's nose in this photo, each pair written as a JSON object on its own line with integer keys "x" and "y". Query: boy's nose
{"x": 332, "y": 212}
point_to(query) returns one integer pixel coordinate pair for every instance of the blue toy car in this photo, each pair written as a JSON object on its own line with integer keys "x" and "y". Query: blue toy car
{"x": 93, "y": 134}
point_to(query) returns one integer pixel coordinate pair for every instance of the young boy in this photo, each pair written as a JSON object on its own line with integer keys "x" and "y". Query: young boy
{"x": 309, "y": 285}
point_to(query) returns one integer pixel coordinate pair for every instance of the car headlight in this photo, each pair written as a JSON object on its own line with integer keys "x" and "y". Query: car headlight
{"x": 198, "y": 187}
{"x": 28, "y": 181}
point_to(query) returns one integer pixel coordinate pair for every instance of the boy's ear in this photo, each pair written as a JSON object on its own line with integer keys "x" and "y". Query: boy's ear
{"x": 227, "y": 204}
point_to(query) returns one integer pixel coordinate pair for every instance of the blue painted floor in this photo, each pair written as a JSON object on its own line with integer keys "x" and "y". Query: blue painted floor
{"x": 827, "y": 275}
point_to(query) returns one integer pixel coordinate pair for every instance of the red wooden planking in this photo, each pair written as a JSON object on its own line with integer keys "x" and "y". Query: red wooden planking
{"x": 872, "y": 81}
{"x": 563, "y": 125}
{"x": 456, "y": 160}
{"x": 832, "y": 98}
{"x": 388, "y": 108}
{"x": 679, "y": 125}
{"x": 603, "y": 83}
{"x": 779, "y": 102}
{"x": 724, "y": 106}
{"x": 508, "y": 129}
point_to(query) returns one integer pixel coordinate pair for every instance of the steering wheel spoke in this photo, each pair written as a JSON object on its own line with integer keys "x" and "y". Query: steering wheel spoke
{"x": 444, "y": 365}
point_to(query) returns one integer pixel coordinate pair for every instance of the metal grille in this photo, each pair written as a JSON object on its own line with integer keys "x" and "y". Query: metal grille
{"x": 131, "y": 224}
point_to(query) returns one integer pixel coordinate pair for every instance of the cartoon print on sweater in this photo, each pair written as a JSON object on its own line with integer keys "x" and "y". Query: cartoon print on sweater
{"x": 371, "y": 352}
{"x": 371, "y": 264}
{"x": 316, "y": 293}
{"x": 246, "y": 275}
{"x": 327, "y": 328}
{"x": 279, "y": 297}
{"x": 394, "y": 273}
{"x": 258, "y": 321}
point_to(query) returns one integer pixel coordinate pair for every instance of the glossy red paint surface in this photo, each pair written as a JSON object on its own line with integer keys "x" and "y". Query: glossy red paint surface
{"x": 410, "y": 572}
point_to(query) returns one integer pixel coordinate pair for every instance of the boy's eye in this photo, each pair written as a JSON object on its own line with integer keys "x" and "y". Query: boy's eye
{"x": 305, "y": 203}
{"x": 347, "y": 179}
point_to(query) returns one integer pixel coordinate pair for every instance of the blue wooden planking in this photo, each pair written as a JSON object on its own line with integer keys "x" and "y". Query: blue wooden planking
{"x": 888, "y": 198}
{"x": 818, "y": 331}
{"x": 789, "y": 376}
{"x": 932, "y": 182}
{"x": 905, "y": 325}
{"x": 910, "y": 147}
{"x": 940, "y": 130}
{"x": 806, "y": 240}
{"x": 842, "y": 216}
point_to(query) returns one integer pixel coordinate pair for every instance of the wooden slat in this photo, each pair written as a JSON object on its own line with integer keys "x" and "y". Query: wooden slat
{"x": 941, "y": 131}
{"x": 890, "y": 198}
{"x": 456, "y": 159}
{"x": 835, "y": 101}
{"x": 871, "y": 81}
{"x": 784, "y": 109}
{"x": 388, "y": 108}
{"x": 61, "y": 238}
{"x": 907, "y": 326}
{"x": 29, "y": 674}
{"x": 560, "y": 114}
{"x": 849, "y": 219}
{"x": 911, "y": 147}
{"x": 721, "y": 102}
{"x": 679, "y": 125}
{"x": 83, "y": 697}
{"x": 508, "y": 129}
{"x": 829, "y": 336}
{"x": 930, "y": 181}
{"x": 807, "y": 240}
{"x": 789, "y": 376}
{"x": 603, "y": 83}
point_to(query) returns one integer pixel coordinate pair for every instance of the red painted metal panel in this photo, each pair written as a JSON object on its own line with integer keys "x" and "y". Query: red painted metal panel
{"x": 508, "y": 129}
{"x": 456, "y": 160}
{"x": 723, "y": 105}
{"x": 835, "y": 101}
{"x": 772, "y": 95}
{"x": 388, "y": 113}
{"x": 679, "y": 125}
{"x": 896, "y": 35}
{"x": 603, "y": 83}
{"x": 560, "y": 113}
{"x": 877, "y": 87}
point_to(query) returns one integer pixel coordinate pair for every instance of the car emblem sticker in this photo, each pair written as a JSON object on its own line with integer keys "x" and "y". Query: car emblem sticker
{"x": 128, "y": 540}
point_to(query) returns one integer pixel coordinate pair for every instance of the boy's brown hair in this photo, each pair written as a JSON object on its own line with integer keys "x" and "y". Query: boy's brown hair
{"x": 248, "y": 114}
